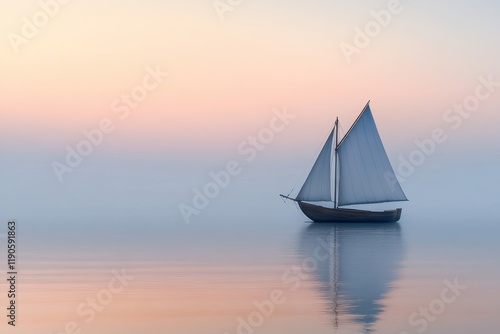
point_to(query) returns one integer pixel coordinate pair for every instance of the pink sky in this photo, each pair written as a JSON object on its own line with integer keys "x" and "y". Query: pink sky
{"x": 225, "y": 77}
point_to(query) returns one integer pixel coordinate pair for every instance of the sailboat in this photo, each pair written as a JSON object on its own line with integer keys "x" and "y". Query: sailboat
{"x": 362, "y": 174}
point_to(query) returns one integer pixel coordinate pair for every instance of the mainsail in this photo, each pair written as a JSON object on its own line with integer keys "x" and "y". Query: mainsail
{"x": 318, "y": 185}
{"x": 365, "y": 173}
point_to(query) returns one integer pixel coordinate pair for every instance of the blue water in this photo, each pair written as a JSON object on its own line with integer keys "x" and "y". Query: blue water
{"x": 208, "y": 276}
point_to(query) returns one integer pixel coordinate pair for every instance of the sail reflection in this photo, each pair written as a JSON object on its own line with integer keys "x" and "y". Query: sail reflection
{"x": 356, "y": 275}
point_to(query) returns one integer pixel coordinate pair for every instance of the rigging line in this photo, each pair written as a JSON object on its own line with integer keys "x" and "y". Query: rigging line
{"x": 288, "y": 205}
{"x": 341, "y": 128}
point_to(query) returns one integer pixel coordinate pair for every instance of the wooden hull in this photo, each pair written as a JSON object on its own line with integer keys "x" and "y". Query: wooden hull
{"x": 321, "y": 214}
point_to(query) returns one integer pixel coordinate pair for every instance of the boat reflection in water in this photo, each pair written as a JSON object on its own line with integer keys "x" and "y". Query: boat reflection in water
{"x": 363, "y": 261}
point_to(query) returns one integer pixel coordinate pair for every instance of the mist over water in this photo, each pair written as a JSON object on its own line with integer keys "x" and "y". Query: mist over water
{"x": 113, "y": 249}
{"x": 122, "y": 214}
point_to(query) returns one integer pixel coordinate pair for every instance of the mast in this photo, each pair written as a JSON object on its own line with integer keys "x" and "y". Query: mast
{"x": 335, "y": 176}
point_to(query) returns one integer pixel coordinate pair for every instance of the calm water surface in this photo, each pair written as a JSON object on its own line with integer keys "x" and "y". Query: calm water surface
{"x": 219, "y": 273}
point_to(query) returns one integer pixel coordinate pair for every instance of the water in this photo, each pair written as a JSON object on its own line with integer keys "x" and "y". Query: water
{"x": 249, "y": 263}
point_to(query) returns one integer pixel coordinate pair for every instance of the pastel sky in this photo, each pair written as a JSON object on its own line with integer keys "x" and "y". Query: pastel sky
{"x": 226, "y": 76}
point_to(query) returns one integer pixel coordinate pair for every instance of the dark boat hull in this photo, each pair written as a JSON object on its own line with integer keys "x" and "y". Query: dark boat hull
{"x": 320, "y": 214}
